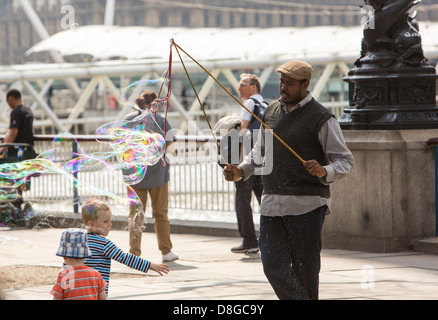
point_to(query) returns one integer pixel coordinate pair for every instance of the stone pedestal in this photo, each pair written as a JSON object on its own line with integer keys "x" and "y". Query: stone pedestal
{"x": 388, "y": 202}
{"x": 391, "y": 98}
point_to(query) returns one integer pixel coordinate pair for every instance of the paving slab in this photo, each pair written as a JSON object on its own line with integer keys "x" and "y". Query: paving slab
{"x": 208, "y": 270}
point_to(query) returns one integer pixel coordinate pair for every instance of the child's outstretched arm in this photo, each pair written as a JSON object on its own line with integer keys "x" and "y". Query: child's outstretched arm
{"x": 159, "y": 268}
{"x": 112, "y": 251}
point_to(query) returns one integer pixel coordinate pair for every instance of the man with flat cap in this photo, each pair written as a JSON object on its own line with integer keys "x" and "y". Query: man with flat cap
{"x": 296, "y": 196}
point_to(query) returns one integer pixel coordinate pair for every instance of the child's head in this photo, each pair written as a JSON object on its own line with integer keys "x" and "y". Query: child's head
{"x": 96, "y": 215}
{"x": 74, "y": 244}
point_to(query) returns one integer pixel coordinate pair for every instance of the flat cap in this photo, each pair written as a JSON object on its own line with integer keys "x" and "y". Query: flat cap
{"x": 296, "y": 69}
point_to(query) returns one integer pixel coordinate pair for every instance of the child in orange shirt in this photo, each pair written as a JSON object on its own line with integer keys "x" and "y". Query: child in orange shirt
{"x": 77, "y": 282}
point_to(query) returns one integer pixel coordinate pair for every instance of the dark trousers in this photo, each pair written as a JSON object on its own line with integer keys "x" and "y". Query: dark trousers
{"x": 290, "y": 249}
{"x": 245, "y": 222}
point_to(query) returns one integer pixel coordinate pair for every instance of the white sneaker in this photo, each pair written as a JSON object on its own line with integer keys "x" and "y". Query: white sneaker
{"x": 170, "y": 256}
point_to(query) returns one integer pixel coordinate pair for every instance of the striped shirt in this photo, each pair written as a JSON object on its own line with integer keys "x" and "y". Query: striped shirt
{"x": 103, "y": 250}
{"x": 78, "y": 283}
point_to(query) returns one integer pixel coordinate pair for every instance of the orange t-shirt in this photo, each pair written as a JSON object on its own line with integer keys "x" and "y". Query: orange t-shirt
{"x": 78, "y": 283}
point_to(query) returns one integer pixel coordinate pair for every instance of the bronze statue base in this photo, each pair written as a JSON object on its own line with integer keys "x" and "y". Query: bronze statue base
{"x": 391, "y": 98}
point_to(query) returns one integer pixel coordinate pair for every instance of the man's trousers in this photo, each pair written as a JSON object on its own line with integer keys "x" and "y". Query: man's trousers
{"x": 245, "y": 222}
{"x": 160, "y": 204}
{"x": 290, "y": 250}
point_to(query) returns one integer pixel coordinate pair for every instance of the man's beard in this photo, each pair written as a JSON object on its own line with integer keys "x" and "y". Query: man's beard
{"x": 292, "y": 102}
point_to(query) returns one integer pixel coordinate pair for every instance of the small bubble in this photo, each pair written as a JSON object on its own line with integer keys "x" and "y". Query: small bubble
{"x": 74, "y": 26}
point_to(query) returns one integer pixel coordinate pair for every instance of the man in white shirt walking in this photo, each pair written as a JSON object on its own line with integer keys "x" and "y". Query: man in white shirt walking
{"x": 249, "y": 91}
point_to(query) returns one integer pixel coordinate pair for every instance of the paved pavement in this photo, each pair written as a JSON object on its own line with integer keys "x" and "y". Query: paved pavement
{"x": 207, "y": 270}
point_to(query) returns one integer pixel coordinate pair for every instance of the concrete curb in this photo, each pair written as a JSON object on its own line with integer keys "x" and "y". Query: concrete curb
{"x": 220, "y": 229}
{"x": 428, "y": 245}
{"x": 63, "y": 220}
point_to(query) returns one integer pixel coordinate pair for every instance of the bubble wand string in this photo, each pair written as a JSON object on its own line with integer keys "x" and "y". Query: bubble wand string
{"x": 200, "y": 103}
{"x": 177, "y": 47}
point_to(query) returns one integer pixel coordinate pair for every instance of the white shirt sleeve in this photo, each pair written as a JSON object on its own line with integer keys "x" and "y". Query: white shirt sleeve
{"x": 252, "y": 163}
{"x": 245, "y": 115}
{"x": 340, "y": 157}
{"x": 332, "y": 142}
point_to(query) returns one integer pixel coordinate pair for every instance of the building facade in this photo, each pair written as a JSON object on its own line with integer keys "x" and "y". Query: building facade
{"x": 17, "y": 33}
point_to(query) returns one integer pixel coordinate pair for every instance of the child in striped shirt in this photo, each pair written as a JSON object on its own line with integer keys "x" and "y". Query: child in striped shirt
{"x": 77, "y": 281}
{"x": 96, "y": 215}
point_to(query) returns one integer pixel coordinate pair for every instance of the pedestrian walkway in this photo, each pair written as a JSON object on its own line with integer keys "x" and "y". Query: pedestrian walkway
{"x": 207, "y": 270}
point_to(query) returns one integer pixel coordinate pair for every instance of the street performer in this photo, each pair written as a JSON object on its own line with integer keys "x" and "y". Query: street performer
{"x": 296, "y": 195}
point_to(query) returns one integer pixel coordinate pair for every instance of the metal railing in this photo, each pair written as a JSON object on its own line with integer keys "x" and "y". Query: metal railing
{"x": 196, "y": 180}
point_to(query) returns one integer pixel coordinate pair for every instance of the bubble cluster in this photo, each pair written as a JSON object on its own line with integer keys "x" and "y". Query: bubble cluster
{"x": 134, "y": 144}
{"x": 161, "y": 86}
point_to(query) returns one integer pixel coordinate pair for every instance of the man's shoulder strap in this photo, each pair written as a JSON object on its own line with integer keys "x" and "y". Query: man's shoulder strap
{"x": 258, "y": 103}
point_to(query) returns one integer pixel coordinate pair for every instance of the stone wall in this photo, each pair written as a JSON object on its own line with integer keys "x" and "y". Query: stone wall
{"x": 388, "y": 202}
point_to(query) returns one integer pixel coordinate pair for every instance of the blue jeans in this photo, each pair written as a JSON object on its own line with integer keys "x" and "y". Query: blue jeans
{"x": 290, "y": 249}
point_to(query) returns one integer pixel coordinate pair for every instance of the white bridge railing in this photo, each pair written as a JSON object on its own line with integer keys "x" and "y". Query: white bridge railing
{"x": 196, "y": 180}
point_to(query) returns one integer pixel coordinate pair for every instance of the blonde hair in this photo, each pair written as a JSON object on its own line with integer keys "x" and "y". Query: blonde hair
{"x": 91, "y": 209}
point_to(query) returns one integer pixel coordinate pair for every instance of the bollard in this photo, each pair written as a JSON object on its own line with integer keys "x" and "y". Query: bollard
{"x": 434, "y": 142}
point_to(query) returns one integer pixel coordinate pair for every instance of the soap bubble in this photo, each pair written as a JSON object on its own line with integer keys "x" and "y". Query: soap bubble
{"x": 74, "y": 26}
{"x": 161, "y": 87}
{"x": 134, "y": 145}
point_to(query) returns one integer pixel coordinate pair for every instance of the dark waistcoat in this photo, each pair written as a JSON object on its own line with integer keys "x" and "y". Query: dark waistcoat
{"x": 299, "y": 130}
